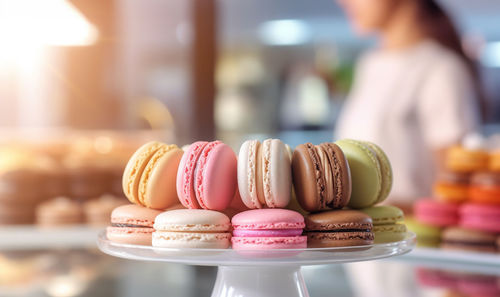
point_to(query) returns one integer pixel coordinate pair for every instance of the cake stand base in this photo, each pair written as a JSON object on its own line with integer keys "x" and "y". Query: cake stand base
{"x": 259, "y": 281}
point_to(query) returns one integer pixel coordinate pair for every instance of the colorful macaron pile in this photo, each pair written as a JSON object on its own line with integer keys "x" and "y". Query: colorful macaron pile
{"x": 207, "y": 197}
{"x": 466, "y": 207}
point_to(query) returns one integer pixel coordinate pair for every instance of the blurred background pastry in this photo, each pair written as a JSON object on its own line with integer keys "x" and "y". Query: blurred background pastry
{"x": 59, "y": 211}
{"x": 98, "y": 211}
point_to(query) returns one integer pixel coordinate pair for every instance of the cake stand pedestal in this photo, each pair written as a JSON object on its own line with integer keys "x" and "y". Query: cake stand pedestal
{"x": 258, "y": 273}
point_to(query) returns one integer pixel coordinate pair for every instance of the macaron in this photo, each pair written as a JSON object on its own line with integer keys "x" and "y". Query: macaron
{"x": 371, "y": 172}
{"x": 192, "y": 228}
{"x": 149, "y": 177}
{"x": 321, "y": 176}
{"x": 264, "y": 174}
{"x": 494, "y": 161}
{"x": 338, "y": 228}
{"x": 266, "y": 229}
{"x": 132, "y": 224}
{"x": 485, "y": 188}
{"x": 452, "y": 186}
{"x": 480, "y": 217}
{"x": 427, "y": 235}
{"x": 387, "y": 223}
{"x": 462, "y": 159}
{"x": 207, "y": 176}
{"x": 436, "y": 213}
{"x": 457, "y": 238}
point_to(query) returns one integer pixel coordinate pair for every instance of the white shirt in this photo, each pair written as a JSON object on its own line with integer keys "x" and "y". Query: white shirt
{"x": 411, "y": 103}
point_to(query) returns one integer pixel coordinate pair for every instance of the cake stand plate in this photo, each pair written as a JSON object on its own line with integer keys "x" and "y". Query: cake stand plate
{"x": 258, "y": 273}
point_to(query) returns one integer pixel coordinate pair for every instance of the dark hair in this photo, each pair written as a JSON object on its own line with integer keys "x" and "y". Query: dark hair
{"x": 439, "y": 27}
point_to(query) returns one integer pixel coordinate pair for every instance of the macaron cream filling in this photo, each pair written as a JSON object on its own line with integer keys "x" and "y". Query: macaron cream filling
{"x": 266, "y": 172}
{"x": 328, "y": 174}
{"x": 122, "y": 225}
{"x": 267, "y": 233}
{"x": 251, "y": 172}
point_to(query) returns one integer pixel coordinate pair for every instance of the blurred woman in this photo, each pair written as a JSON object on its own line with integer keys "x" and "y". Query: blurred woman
{"x": 415, "y": 94}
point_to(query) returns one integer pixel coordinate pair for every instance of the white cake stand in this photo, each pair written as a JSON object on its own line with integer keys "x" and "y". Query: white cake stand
{"x": 268, "y": 273}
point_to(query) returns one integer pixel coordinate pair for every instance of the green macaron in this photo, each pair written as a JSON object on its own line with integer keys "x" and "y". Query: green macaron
{"x": 387, "y": 223}
{"x": 427, "y": 235}
{"x": 371, "y": 172}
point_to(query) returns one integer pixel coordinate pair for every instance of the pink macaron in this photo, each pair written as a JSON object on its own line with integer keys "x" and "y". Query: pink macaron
{"x": 436, "y": 213}
{"x": 132, "y": 224}
{"x": 206, "y": 177}
{"x": 482, "y": 217}
{"x": 264, "y": 229}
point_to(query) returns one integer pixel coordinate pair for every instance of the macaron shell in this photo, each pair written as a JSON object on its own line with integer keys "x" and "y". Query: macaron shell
{"x": 139, "y": 236}
{"x": 485, "y": 194}
{"x": 269, "y": 218}
{"x": 385, "y": 167}
{"x": 457, "y": 238}
{"x": 191, "y": 240}
{"x": 338, "y": 239}
{"x": 157, "y": 187}
{"x": 216, "y": 179}
{"x": 192, "y": 220}
{"x": 132, "y": 214}
{"x": 268, "y": 243}
{"x": 427, "y": 235}
{"x": 384, "y": 214}
{"x": 237, "y": 202}
{"x": 278, "y": 175}
{"x": 305, "y": 179}
{"x": 451, "y": 192}
{"x": 436, "y": 213}
{"x": 480, "y": 217}
{"x": 365, "y": 173}
{"x": 338, "y": 220}
{"x": 247, "y": 166}
{"x": 342, "y": 183}
{"x": 135, "y": 167}
{"x": 186, "y": 173}
{"x": 463, "y": 160}
{"x": 389, "y": 233}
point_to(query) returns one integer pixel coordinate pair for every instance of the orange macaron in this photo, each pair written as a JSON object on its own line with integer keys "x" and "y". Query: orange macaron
{"x": 461, "y": 159}
{"x": 452, "y": 186}
{"x": 495, "y": 160}
{"x": 485, "y": 188}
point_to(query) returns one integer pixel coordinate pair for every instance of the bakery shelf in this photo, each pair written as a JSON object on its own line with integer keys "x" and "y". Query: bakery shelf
{"x": 36, "y": 238}
{"x": 474, "y": 262}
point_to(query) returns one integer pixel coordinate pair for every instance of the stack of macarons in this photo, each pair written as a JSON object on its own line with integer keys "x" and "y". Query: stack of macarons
{"x": 204, "y": 196}
{"x": 352, "y": 174}
{"x": 467, "y": 201}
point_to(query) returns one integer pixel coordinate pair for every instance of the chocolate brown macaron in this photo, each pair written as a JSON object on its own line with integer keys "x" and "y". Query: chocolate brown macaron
{"x": 321, "y": 176}
{"x": 338, "y": 228}
{"x": 458, "y": 238}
